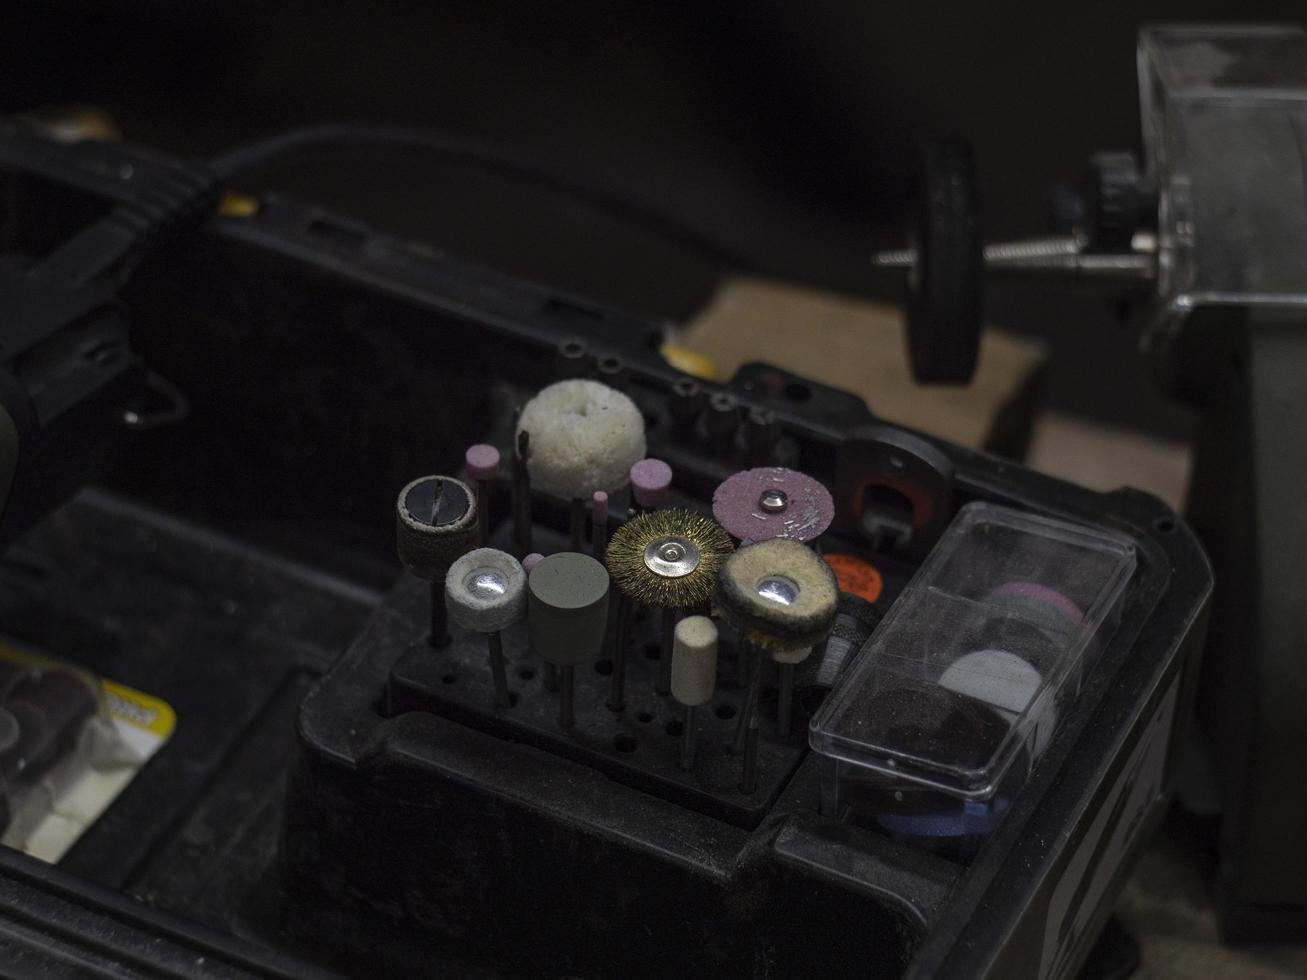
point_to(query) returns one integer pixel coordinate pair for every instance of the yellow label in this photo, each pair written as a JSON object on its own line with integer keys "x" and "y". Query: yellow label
{"x": 139, "y": 710}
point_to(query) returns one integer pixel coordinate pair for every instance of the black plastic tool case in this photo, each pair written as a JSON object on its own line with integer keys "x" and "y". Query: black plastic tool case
{"x": 339, "y": 798}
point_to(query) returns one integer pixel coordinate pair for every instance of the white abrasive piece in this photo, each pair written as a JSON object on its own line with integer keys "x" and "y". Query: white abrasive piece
{"x": 791, "y": 656}
{"x": 585, "y": 436}
{"x": 485, "y": 591}
{"x": 694, "y": 660}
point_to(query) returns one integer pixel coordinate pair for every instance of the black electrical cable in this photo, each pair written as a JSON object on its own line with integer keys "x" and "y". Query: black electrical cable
{"x": 240, "y": 160}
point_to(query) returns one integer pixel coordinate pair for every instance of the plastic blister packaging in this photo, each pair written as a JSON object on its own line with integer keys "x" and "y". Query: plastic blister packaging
{"x": 936, "y": 724}
{"x": 44, "y": 714}
{"x": 70, "y": 742}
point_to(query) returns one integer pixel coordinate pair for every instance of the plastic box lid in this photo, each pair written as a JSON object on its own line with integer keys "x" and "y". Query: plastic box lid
{"x": 979, "y": 656}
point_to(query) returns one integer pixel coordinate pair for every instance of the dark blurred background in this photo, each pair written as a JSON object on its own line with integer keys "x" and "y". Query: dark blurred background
{"x": 783, "y": 130}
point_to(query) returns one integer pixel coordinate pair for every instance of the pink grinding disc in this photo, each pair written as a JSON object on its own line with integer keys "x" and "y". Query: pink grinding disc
{"x": 772, "y": 502}
{"x": 482, "y": 462}
{"x": 650, "y": 480}
{"x": 531, "y": 561}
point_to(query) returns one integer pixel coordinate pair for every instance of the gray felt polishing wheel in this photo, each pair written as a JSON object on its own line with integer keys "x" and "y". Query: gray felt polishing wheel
{"x": 485, "y": 591}
{"x": 567, "y": 608}
{"x": 779, "y": 594}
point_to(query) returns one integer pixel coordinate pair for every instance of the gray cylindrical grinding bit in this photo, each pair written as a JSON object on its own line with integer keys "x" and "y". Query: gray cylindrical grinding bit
{"x": 567, "y": 608}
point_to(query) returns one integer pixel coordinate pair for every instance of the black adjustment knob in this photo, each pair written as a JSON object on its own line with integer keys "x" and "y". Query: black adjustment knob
{"x": 1113, "y": 201}
{"x": 945, "y": 285}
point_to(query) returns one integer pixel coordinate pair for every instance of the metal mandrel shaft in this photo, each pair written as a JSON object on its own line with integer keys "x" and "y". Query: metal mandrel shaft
{"x": 439, "y": 635}
{"x": 567, "y": 697}
{"x": 496, "y": 646}
{"x": 483, "y": 512}
{"x": 578, "y": 523}
{"x": 664, "y": 683}
{"x": 599, "y": 528}
{"x": 749, "y": 772}
{"x": 522, "y": 494}
{"x": 688, "y": 736}
{"x": 785, "y": 702}
{"x": 745, "y": 664}
{"x": 621, "y": 641}
{"x": 749, "y": 710}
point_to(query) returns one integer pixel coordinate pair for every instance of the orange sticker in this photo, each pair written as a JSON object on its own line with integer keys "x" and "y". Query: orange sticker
{"x": 856, "y": 576}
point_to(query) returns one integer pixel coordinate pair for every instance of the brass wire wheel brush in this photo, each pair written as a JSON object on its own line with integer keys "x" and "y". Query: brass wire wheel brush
{"x": 668, "y": 558}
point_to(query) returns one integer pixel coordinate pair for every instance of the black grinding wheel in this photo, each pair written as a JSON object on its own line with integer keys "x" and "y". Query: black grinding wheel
{"x": 945, "y": 294}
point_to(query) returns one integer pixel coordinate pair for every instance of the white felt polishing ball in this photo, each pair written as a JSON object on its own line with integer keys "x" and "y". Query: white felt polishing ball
{"x": 794, "y": 656}
{"x": 585, "y": 436}
{"x": 485, "y": 591}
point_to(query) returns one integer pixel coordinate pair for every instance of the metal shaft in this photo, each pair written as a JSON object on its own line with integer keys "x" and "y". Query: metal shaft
{"x": 522, "y": 495}
{"x": 599, "y": 539}
{"x": 1064, "y": 256}
{"x": 621, "y": 641}
{"x": 664, "y": 684}
{"x": 483, "y": 513}
{"x": 439, "y": 635}
{"x": 578, "y": 523}
{"x": 566, "y": 700}
{"x": 745, "y": 663}
{"x": 785, "y": 702}
{"x": 688, "y": 735}
{"x": 551, "y": 678}
{"x": 749, "y": 710}
{"x": 496, "y": 645}
{"x": 749, "y": 774}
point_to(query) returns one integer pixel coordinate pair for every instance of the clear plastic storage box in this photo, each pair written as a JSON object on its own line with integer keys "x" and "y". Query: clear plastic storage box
{"x": 938, "y": 720}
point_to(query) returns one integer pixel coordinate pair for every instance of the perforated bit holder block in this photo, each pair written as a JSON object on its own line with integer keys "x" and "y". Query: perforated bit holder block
{"x": 639, "y": 747}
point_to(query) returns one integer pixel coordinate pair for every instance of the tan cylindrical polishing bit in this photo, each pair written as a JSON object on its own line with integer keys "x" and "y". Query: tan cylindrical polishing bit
{"x": 694, "y": 674}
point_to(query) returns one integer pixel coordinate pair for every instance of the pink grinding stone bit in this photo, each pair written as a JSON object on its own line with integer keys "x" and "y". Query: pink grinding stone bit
{"x": 531, "y": 561}
{"x": 482, "y": 462}
{"x": 772, "y": 502}
{"x": 599, "y": 507}
{"x": 650, "y": 480}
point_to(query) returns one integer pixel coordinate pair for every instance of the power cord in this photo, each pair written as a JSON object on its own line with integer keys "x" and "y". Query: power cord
{"x": 240, "y": 160}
